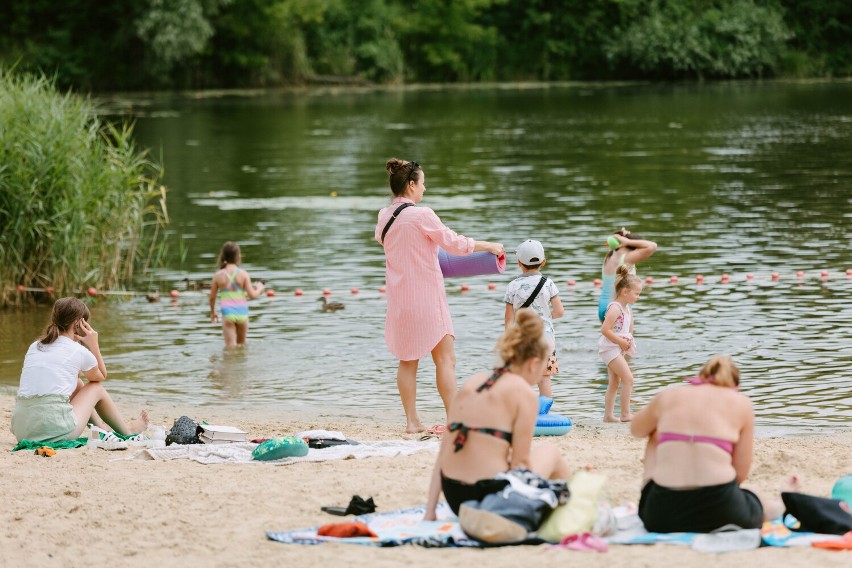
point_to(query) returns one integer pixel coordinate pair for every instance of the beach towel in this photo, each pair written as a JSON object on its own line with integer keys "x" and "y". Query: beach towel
{"x": 394, "y": 528}
{"x": 241, "y": 452}
{"x": 60, "y": 445}
{"x": 778, "y": 533}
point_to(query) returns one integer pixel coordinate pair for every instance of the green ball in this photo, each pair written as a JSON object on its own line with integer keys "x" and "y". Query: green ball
{"x": 613, "y": 242}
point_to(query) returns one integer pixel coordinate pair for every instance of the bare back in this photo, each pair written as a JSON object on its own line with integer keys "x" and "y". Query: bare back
{"x": 509, "y": 405}
{"x": 707, "y": 411}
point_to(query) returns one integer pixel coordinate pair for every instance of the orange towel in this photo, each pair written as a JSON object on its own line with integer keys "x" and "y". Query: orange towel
{"x": 345, "y": 530}
{"x": 844, "y": 543}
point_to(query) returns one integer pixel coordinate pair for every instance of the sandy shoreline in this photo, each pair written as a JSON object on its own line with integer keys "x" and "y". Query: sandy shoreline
{"x": 82, "y": 507}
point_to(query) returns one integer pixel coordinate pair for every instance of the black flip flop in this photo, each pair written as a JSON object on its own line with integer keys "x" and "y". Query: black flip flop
{"x": 357, "y": 506}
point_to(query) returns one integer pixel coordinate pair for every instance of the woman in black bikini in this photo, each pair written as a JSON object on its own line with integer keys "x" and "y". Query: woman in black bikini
{"x": 700, "y": 441}
{"x": 492, "y": 419}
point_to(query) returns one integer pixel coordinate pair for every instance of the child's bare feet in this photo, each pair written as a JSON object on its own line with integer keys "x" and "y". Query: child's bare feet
{"x": 415, "y": 427}
{"x": 610, "y": 418}
{"x": 139, "y": 424}
{"x": 627, "y": 418}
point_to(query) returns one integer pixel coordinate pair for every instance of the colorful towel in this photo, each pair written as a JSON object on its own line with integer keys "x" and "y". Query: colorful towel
{"x": 240, "y": 452}
{"x": 394, "y": 528}
{"x": 60, "y": 445}
{"x": 777, "y": 533}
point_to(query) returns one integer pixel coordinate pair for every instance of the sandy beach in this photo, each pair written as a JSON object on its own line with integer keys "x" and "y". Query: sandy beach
{"x": 86, "y": 506}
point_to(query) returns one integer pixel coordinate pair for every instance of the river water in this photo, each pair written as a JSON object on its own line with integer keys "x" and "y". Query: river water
{"x": 737, "y": 178}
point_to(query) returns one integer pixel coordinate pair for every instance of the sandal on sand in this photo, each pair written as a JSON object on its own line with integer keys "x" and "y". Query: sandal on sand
{"x": 357, "y": 506}
{"x": 105, "y": 440}
{"x": 586, "y": 542}
{"x": 437, "y": 429}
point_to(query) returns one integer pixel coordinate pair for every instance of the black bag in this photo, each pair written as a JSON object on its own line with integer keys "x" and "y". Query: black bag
{"x": 818, "y": 514}
{"x": 184, "y": 431}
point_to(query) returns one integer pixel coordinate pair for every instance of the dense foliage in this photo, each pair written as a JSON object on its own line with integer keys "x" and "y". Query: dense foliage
{"x": 152, "y": 44}
{"x": 79, "y": 205}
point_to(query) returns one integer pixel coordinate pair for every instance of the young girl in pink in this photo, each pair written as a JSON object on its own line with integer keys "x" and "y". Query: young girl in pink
{"x": 616, "y": 343}
{"x": 233, "y": 286}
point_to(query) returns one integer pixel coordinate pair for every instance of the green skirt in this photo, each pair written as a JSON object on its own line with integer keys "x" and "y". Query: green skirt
{"x": 43, "y": 418}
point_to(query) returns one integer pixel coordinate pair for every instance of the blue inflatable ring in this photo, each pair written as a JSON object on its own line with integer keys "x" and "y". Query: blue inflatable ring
{"x": 277, "y": 448}
{"x": 552, "y": 425}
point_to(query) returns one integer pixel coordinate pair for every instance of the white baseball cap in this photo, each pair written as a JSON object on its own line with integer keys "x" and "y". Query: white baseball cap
{"x": 530, "y": 252}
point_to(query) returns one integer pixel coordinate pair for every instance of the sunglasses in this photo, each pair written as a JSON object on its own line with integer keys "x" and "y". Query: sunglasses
{"x": 414, "y": 167}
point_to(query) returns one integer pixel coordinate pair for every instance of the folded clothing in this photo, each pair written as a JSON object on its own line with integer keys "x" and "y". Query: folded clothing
{"x": 345, "y": 530}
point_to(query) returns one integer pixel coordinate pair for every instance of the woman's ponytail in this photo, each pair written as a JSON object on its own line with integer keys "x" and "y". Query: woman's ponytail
{"x": 721, "y": 371}
{"x": 66, "y": 312}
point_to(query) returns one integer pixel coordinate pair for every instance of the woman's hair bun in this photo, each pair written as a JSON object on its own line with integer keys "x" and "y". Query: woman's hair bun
{"x": 393, "y": 165}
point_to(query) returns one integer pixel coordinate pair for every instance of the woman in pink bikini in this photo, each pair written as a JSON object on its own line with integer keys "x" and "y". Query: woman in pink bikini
{"x": 700, "y": 441}
{"x": 418, "y": 313}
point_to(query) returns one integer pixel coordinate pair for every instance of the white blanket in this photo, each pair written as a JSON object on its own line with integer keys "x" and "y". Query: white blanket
{"x": 240, "y": 452}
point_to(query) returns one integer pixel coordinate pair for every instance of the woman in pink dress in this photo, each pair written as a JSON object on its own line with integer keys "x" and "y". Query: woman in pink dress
{"x": 418, "y": 314}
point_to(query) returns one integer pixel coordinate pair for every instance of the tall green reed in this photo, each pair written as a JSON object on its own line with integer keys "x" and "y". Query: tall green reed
{"x": 80, "y": 205}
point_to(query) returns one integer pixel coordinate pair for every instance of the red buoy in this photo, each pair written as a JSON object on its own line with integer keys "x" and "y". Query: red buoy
{"x": 49, "y": 290}
{"x": 775, "y": 276}
{"x": 725, "y": 278}
{"x": 382, "y": 289}
{"x": 849, "y": 272}
{"x": 297, "y": 292}
{"x": 174, "y": 293}
{"x": 465, "y": 287}
{"x": 596, "y": 282}
{"x": 492, "y": 286}
{"x": 92, "y": 291}
{"x": 824, "y": 273}
{"x": 326, "y": 292}
{"x": 270, "y": 293}
{"x": 674, "y": 279}
{"x": 800, "y": 274}
{"x": 749, "y": 276}
{"x": 21, "y": 288}
{"x": 649, "y": 280}
{"x": 355, "y": 290}
{"x": 572, "y": 282}
{"x": 699, "y": 279}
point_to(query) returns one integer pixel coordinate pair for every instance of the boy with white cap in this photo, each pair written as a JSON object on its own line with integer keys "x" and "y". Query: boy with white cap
{"x": 534, "y": 290}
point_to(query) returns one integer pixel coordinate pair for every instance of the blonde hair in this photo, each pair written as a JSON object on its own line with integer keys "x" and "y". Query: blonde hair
{"x": 720, "y": 370}
{"x": 524, "y": 339}
{"x": 624, "y": 279}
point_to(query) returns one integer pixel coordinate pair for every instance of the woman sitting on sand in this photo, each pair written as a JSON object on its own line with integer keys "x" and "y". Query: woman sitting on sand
{"x": 492, "y": 419}
{"x": 53, "y": 403}
{"x": 700, "y": 441}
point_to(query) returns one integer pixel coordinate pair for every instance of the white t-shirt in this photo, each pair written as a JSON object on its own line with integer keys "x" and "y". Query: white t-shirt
{"x": 54, "y": 368}
{"x": 520, "y": 289}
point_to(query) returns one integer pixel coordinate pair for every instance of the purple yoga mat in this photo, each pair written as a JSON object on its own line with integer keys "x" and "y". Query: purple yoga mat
{"x": 474, "y": 264}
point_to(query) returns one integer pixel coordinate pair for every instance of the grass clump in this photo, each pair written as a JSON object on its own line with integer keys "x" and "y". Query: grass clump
{"x": 80, "y": 206}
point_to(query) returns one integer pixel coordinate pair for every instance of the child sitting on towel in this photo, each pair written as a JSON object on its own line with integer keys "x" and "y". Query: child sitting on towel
{"x": 534, "y": 290}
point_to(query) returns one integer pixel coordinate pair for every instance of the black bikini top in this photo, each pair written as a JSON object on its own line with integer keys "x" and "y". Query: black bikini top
{"x": 463, "y": 430}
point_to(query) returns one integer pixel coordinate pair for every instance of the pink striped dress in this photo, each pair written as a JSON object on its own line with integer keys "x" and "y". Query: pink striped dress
{"x": 418, "y": 314}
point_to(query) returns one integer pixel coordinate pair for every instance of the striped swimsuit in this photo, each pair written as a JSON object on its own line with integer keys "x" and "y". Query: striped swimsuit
{"x": 233, "y": 301}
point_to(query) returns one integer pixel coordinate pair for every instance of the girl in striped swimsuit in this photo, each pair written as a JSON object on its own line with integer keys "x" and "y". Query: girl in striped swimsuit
{"x": 233, "y": 287}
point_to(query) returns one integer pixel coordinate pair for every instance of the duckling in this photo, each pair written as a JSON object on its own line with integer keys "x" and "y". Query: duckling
{"x": 330, "y": 306}
{"x": 195, "y": 284}
{"x": 154, "y": 296}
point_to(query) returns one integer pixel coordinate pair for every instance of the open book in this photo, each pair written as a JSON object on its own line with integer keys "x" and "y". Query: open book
{"x": 213, "y": 434}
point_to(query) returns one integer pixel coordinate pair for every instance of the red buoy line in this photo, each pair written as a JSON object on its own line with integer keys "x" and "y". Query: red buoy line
{"x": 572, "y": 284}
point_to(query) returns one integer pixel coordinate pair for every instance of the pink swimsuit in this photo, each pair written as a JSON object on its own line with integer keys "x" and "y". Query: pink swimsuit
{"x": 674, "y": 437}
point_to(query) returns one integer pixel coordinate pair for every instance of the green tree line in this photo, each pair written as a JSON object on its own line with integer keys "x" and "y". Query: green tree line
{"x": 162, "y": 44}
